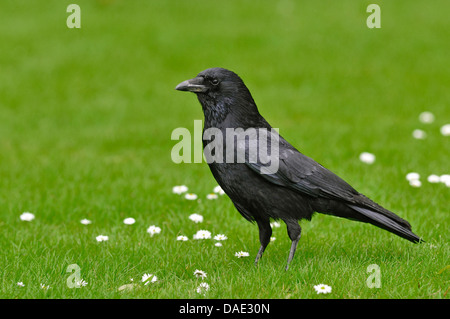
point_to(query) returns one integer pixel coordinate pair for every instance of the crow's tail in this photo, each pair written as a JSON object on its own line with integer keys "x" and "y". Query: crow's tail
{"x": 388, "y": 221}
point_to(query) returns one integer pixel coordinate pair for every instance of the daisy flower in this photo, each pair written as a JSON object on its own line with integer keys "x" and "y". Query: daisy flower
{"x": 367, "y": 158}
{"x": 152, "y": 230}
{"x": 20, "y": 284}
{"x": 412, "y": 176}
{"x": 102, "y": 238}
{"x": 182, "y": 238}
{"x": 148, "y": 278}
{"x": 190, "y": 196}
{"x": 433, "y": 178}
{"x": 218, "y": 190}
{"x": 200, "y": 273}
{"x": 196, "y": 218}
{"x": 81, "y": 283}
{"x": 275, "y": 224}
{"x": 85, "y": 221}
{"x": 273, "y": 238}
{"x": 220, "y": 237}
{"x": 240, "y": 254}
{"x": 27, "y": 216}
{"x": 212, "y": 196}
{"x": 45, "y": 287}
{"x": 426, "y": 117}
{"x": 419, "y": 134}
{"x": 202, "y": 234}
{"x": 202, "y": 288}
{"x": 218, "y": 244}
{"x": 129, "y": 221}
{"x": 445, "y": 130}
{"x": 415, "y": 183}
{"x": 180, "y": 189}
{"x": 322, "y": 289}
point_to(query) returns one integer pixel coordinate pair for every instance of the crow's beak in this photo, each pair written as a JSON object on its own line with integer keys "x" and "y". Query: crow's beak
{"x": 194, "y": 85}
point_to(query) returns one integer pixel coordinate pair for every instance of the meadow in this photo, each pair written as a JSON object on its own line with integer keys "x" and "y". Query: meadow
{"x": 86, "y": 117}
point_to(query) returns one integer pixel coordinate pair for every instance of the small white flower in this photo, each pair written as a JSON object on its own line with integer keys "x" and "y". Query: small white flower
{"x": 322, "y": 289}
{"x": 220, "y": 237}
{"x": 273, "y": 238}
{"x": 433, "y": 178}
{"x": 152, "y": 230}
{"x": 240, "y": 254}
{"x": 28, "y": 217}
{"x": 212, "y": 196}
{"x": 129, "y": 221}
{"x": 412, "y": 176}
{"x": 426, "y": 117}
{"x": 45, "y": 287}
{"x": 102, "y": 238}
{"x": 202, "y": 288}
{"x": 415, "y": 183}
{"x": 190, "y": 196}
{"x": 200, "y": 274}
{"x": 218, "y": 244}
{"x": 196, "y": 218}
{"x": 20, "y": 284}
{"x": 202, "y": 234}
{"x": 275, "y": 224}
{"x": 85, "y": 221}
{"x": 148, "y": 278}
{"x": 419, "y": 134}
{"x": 182, "y": 238}
{"x": 367, "y": 157}
{"x": 81, "y": 283}
{"x": 445, "y": 130}
{"x": 218, "y": 190}
{"x": 180, "y": 189}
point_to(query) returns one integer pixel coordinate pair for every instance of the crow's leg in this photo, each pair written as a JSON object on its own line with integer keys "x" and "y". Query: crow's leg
{"x": 265, "y": 231}
{"x": 294, "y": 232}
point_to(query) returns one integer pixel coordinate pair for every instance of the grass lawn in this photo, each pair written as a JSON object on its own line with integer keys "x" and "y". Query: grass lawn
{"x": 86, "y": 117}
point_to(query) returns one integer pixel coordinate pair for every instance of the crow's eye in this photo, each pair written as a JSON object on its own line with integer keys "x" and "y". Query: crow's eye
{"x": 214, "y": 81}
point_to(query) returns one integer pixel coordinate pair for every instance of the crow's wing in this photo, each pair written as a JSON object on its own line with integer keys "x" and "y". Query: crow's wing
{"x": 301, "y": 173}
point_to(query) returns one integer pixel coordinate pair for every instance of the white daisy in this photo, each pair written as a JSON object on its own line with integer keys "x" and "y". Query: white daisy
{"x": 81, "y": 283}
{"x": 182, "y": 238}
{"x": 433, "y": 178}
{"x": 273, "y": 238}
{"x": 275, "y": 224}
{"x": 190, "y": 196}
{"x": 415, "y": 183}
{"x": 202, "y": 288}
{"x": 45, "y": 287}
{"x": 218, "y": 244}
{"x": 129, "y": 221}
{"x": 322, "y": 289}
{"x": 196, "y": 218}
{"x": 27, "y": 216}
{"x": 419, "y": 134}
{"x": 220, "y": 237}
{"x": 445, "y": 130}
{"x": 212, "y": 196}
{"x": 202, "y": 234}
{"x": 426, "y": 117}
{"x": 102, "y": 238}
{"x": 412, "y": 176}
{"x": 152, "y": 230}
{"x": 241, "y": 253}
{"x": 20, "y": 284}
{"x": 148, "y": 278}
{"x": 367, "y": 157}
{"x": 85, "y": 221}
{"x": 180, "y": 189}
{"x": 200, "y": 274}
{"x": 218, "y": 190}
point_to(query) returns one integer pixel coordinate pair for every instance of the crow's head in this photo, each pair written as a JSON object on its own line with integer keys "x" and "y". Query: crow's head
{"x": 220, "y": 91}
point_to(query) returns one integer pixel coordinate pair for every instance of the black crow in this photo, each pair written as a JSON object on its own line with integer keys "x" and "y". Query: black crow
{"x": 294, "y": 191}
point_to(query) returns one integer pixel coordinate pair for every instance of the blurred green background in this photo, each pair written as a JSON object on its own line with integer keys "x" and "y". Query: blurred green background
{"x": 86, "y": 114}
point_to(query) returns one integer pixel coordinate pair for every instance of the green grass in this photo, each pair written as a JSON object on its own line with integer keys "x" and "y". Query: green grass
{"x": 86, "y": 118}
